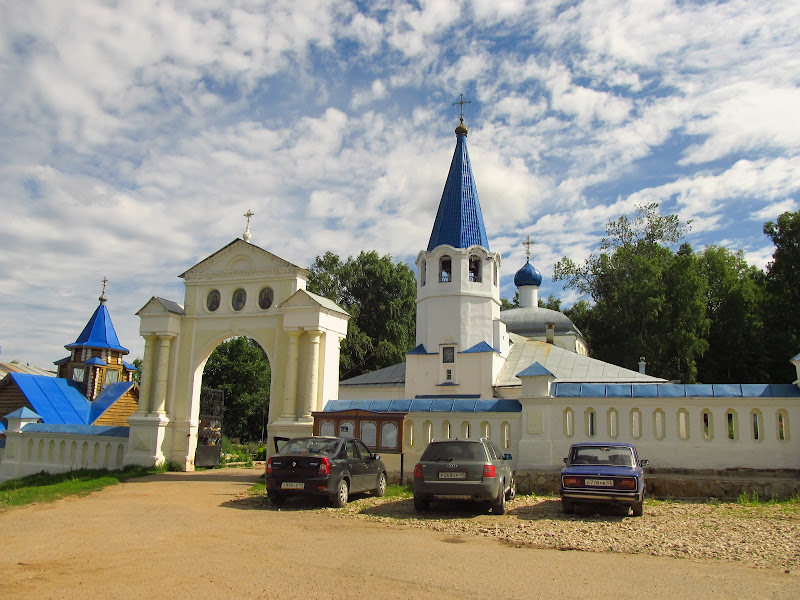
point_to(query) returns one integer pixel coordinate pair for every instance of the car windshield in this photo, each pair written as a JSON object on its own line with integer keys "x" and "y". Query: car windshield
{"x": 449, "y": 451}
{"x": 602, "y": 455}
{"x": 327, "y": 446}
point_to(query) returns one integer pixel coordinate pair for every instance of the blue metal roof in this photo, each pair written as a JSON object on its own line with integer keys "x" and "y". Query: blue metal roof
{"x": 459, "y": 220}
{"x": 96, "y": 360}
{"x": 673, "y": 390}
{"x": 22, "y": 413}
{"x": 479, "y": 347}
{"x": 110, "y": 394}
{"x": 109, "y": 430}
{"x": 420, "y": 349}
{"x": 438, "y": 404}
{"x": 55, "y": 400}
{"x": 99, "y": 332}
{"x": 129, "y": 366}
{"x": 534, "y": 370}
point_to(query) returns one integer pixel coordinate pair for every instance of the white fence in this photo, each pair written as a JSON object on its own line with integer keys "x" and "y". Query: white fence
{"x": 52, "y": 448}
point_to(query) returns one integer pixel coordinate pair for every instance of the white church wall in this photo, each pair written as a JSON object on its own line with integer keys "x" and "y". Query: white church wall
{"x": 673, "y": 433}
{"x": 351, "y": 392}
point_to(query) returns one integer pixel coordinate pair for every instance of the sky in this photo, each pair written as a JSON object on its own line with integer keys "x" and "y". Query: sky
{"x": 134, "y": 135}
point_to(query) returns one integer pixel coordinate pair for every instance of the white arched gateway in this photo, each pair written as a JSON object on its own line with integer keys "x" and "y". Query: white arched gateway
{"x": 241, "y": 290}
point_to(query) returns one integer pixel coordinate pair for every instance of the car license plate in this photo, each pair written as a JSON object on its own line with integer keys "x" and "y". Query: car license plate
{"x": 452, "y": 475}
{"x": 292, "y": 485}
{"x": 599, "y": 482}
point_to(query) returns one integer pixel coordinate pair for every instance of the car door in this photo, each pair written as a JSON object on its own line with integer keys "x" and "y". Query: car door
{"x": 355, "y": 465}
{"x": 371, "y": 466}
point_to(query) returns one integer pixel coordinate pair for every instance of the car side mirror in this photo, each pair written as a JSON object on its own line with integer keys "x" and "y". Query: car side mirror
{"x": 506, "y": 457}
{"x": 644, "y": 462}
{"x": 566, "y": 460}
{"x": 376, "y": 457}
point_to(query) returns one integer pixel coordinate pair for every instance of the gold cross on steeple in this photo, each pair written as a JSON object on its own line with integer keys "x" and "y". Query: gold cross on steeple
{"x": 248, "y": 214}
{"x": 528, "y": 243}
{"x": 461, "y": 104}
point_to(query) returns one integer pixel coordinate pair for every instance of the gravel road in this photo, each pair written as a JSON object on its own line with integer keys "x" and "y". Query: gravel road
{"x": 191, "y": 535}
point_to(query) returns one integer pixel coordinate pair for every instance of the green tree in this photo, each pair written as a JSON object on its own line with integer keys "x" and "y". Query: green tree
{"x": 137, "y": 375}
{"x": 380, "y": 296}
{"x": 782, "y": 290}
{"x": 648, "y": 300}
{"x": 552, "y": 303}
{"x": 240, "y": 368}
{"x": 734, "y": 307}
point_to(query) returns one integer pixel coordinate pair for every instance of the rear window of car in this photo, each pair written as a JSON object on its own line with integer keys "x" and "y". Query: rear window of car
{"x": 446, "y": 451}
{"x": 602, "y": 455}
{"x": 327, "y": 447}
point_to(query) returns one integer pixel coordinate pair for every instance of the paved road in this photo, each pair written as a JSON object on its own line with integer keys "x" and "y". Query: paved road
{"x": 189, "y": 535}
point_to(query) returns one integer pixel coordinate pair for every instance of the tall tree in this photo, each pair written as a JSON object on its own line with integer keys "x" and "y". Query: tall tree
{"x": 240, "y": 368}
{"x": 782, "y": 288}
{"x": 648, "y": 300}
{"x": 380, "y": 296}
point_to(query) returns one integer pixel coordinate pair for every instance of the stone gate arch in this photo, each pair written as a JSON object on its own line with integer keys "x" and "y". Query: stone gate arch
{"x": 240, "y": 290}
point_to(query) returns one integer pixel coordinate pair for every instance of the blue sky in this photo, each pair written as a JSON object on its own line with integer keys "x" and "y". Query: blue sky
{"x": 134, "y": 135}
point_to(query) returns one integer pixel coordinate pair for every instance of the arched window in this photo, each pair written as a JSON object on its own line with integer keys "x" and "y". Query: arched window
{"x": 427, "y": 429}
{"x": 389, "y": 435}
{"x": 486, "y": 429}
{"x": 636, "y": 423}
{"x": 733, "y": 424}
{"x": 569, "y": 422}
{"x": 708, "y": 424}
{"x": 613, "y": 423}
{"x": 506, "y": 435}
{"x": 369, "y": 433}
{"x": 590, "y": 422}
{"x": 659, "y": 424}
{"x": 327, "y": 428}
{"x": 445, "y": 269}
{"x": 757, "y": 419}
{"x": 409, "y": 428}
{"x": 446, "y": 430}
{"x": 465, "y": 429}
{"x": 783, "y": 425}
{"x": 683, "y": 424}
{"x": 475, "y": 269}
{"x": 423, "y": 272}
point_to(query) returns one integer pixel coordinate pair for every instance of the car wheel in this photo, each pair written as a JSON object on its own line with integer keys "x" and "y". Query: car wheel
{"x": 380, "y": 490}
{"x": 342, "y": 494}
{"x": 421, "y": 504}
{"x": 638, "y": 509}
{"x": 568, "y": 506}
{"x": 512, "y": 490}
{"x": 276, "y": 499}
{"x": 499, "y": 505}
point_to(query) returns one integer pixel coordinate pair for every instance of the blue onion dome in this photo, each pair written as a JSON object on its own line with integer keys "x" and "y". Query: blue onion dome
{"x": 528, "y": 275}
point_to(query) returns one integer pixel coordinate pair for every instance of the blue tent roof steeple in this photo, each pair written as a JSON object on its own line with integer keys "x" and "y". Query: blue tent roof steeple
{"x": 459, "y": 220}
{"x": 99, "y": 331}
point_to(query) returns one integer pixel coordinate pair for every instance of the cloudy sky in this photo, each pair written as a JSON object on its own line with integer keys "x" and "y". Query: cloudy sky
{"x": 135, "y": 134}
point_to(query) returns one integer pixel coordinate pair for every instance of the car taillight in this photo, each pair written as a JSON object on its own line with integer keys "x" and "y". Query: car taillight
{"x": 324, "y": 466}
{"x": 572, "y": 481}
{"x": 489, "y": 471}
{"x": 418, "y": 471}
{"x": 627, "y": 484}
{"x": 269, "y": 466}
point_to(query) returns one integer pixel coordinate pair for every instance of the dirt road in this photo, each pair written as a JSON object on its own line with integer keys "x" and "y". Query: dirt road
{"x": 191, "y": 535}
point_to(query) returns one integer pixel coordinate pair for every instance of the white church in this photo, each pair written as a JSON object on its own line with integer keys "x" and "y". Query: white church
{"x": 521, "y": 376}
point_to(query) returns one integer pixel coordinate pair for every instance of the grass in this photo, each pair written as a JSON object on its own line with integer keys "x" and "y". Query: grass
{"x": 46, "y": 487}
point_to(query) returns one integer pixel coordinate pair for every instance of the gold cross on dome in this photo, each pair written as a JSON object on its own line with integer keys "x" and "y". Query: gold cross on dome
{"x": 528, "y": 243}
{"x": 461, "y": 104}
{"x": 248, "y": 214}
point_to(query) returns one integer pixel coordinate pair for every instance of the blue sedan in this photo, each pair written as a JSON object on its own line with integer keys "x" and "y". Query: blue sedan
{"x": 608, "y": 473}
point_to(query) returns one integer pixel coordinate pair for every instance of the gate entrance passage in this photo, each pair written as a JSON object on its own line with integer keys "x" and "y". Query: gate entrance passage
{"x": 240, "y": 290}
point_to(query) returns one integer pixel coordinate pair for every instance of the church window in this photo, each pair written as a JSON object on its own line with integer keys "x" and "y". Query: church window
{"x": 423, "y": 272}
{"x": 506, "y": 435}
{"x": 78, "y": 374}
{"x": 446, "y": 430}
{"x": 486, "y": 429}
{"x": 475, "y": 269}
{"x": 427, "y": 428}
{"x": 495, "y": 273}
{"x": 465, "y": 429}
{"x": 758, "y": 421}
{"x": 448, "y": 354}
{"x": 112, "y": 376}
{"x": 369, "y": 434}
{"x": 569, "y": 422}
{"x": 445, "y": 269}
{"x": 730, "y": 417}
{"x": 636, "y": 423}
{"x": 389, "y": 435}
{"x": 590, "y": 422}
{"x": 613, "y": 423}
{"x": 409, "y": 433}
{"x": 683, "y": 424}
{"x": 659, "y": 424}
{"x": 783, "y": 425}
{"x": 449, "y": 375}
{"x": 708, "y": 425}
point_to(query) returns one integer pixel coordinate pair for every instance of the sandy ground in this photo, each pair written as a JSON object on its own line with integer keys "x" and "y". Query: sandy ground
{"x": 193, "y": 535}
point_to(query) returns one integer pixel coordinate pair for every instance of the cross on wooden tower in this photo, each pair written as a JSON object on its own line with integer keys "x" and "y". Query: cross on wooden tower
{"x": 528, "y": 243}
{"x": 461, "y": 104}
